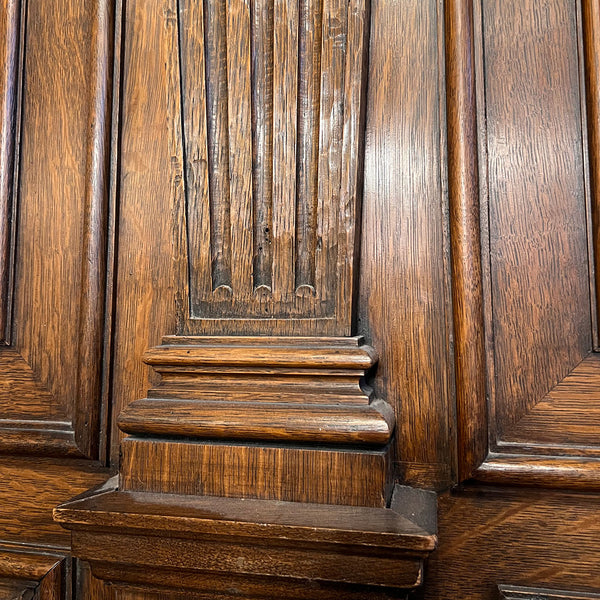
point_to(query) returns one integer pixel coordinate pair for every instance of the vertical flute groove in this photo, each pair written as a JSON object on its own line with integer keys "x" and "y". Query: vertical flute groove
{"x": 262, "y": 139}
{"x": 309, "y": 98}
{"x": 215, "y": 45}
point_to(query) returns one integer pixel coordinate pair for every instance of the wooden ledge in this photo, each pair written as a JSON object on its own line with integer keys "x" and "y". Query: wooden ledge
{"x": 31, "y": 574}
{"x": 328, "y": 543}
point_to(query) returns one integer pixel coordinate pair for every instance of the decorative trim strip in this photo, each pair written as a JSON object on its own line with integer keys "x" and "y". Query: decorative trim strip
{"x": 296, "y": 390}
{"x": 467, "y": 293}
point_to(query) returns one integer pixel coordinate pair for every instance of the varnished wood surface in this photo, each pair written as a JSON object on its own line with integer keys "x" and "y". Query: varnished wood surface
{"x": 464, "y": 217}
{"x": 31, "y": 488}
{"x": 30, "y": 574}
{"x": 16, "y": 589}
{"x": 50, "y": 397}
{"x": 193, "y": 516}
{"x": 591, "y": 46}
{"x": 539, "y": 319}
{"x": 527, "y": 538}
{"x": 296, "y": 390}
{"x": 403, "y": 305}
{"x": 227, "y": 469}
{"x": 11, "y": 26}
{"x": 253, "y": 589}
{"x": 117, "y": 531}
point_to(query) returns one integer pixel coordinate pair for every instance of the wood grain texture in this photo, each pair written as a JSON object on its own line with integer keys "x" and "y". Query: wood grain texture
{"x": 27, "y": 574}
{"x": 12, "y": 27}
{"x": 32, "y": 488}
{"x": 278, "y": 540}
{"x": 296, "y": 390}
{"x": 403, "y": 299}
{"x": 541, "y": 320}
{"x": 50, "y": 396}
{"x": 148, "y": 273}
{"x": 246, "y": 588}
{"x": 294, "y": 474}
{"x": 541, "y": 377}
{"x": 271, "y": 153}
{"x": 526, "y": 538}
{"x": 94, "y": 250}
{"x": 306, "y": 394}
{"x": 591, "y": 37}
{"x": 463, "y": 183}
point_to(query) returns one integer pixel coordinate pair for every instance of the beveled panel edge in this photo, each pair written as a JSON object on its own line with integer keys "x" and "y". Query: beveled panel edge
{"x": 45, "y": 438}
{"x": 92, "y": 308}
{"x": 476, "y": 456}
{"x": 466, "y": 259}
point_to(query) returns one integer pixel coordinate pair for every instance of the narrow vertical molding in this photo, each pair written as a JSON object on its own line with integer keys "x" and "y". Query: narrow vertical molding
{"x": 463, "y": 182}
{"x": 591, "y": 48}
{"x": 307, "y": 155}
{"x": 12, "y": 30}
{"x": 262, "y": 140}
{"x": 215, "y": 51}
{"x": 105, "y": 441}
{"x": 91, "y": 315}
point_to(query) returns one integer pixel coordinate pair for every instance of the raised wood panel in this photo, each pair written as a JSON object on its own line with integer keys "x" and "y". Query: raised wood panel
{"x": 523, "y": 262}
{"x": 536, "y": 204}
{"x": 534, "y": 538}
{"x": 50, "y": 372}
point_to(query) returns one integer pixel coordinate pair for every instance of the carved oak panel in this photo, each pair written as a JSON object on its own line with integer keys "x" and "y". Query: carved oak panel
{"x": 271, "y": 104}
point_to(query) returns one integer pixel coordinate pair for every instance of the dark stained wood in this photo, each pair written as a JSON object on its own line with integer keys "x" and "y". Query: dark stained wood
{"x": 93, "y": 251}
{"x": 32, "y": 488}
{"x": 489, "y": 537}
{"x": 246, "y": 470}
{"x": 258, "y": 538}
{"x": 539, "y": 325}
{"x": 292, "y": 389}
{"x": 11, "y": 26}
{"x": 303, "y": 393}
{"x": 591, "y": 41}
{"x": 541, "y": 321}
{"x": 303, "y": 160}
{"x": 463, "y": 184}
{"x": 27, "y": 574}
{"x": 544, "y": 471}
